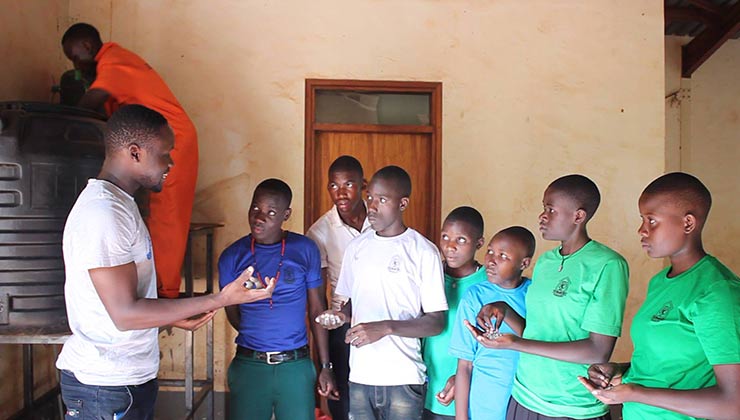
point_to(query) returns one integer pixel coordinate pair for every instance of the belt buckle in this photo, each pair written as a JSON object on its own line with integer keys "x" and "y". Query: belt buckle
{"x": 269, "y": 355}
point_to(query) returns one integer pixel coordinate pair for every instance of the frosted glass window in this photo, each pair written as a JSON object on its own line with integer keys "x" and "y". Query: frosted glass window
{"x": 349, "y": 107}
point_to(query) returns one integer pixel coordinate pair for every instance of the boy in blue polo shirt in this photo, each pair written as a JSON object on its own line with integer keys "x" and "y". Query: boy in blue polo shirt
{"x": 272, "y": 372}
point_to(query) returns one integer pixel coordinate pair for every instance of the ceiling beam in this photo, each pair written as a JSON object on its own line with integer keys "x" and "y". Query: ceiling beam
{"x": 708, "y": 6}
{"x": 689, "y": 14}
{"x": 696, "y": 52}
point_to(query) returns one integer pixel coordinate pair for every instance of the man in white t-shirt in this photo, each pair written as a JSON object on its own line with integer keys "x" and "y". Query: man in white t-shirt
{"x": 109, "y": 365}
{"x": 332, "y": 233}
{"x": 394, "y": 281}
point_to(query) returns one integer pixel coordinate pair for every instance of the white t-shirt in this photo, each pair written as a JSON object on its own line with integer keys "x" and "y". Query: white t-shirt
{"x": 396, "y": 278}
{"x": 332, "y": 236}
{"x": 105, "y": 229}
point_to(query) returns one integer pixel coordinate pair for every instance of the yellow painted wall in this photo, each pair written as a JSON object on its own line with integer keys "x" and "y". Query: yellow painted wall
{"x": 532, "y": 90}
{"x": 32, "y": 59}
{"x": 709, "y": 138}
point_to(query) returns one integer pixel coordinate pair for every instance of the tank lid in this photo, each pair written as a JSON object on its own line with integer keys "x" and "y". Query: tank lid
{"x": 47, "y": 108}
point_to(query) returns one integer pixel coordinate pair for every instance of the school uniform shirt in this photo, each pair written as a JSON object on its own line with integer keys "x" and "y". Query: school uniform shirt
{"x": 492, "y": 376}
{"x": 277, "y": 323}
{"x": 440, "y": 364}
{"x": 128, "y": 79}
{"x": 587, "y": 295}
{"x": 391, "y": 278}
{"x": 104, "y": 229}
{"x": 687, "y": 324}
{"x": 332, "y": 236}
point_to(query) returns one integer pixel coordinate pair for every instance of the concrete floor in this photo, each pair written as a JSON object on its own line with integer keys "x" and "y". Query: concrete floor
{"x": 170, "y": 406}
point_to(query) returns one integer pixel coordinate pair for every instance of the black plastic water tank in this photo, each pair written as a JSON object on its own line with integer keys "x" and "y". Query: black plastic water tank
{"x": 47, "y": 153}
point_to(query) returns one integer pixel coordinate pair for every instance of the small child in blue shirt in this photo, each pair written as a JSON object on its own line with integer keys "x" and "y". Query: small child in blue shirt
{"x": 485, "y": 376}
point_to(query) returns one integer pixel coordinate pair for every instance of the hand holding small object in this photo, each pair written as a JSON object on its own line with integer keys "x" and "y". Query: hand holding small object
{"x": 237, "y": 292}
{"x": 331, "y": 319}
{"x": 493, "y": 334}
{"x": 490, "y": 338}
{"x": 367, "y": 333}
{"x": 447, "y": 394}
{"x": 612, "y": 393}
{"x": 250, "y": 282}
{"x": 253, "y": 284}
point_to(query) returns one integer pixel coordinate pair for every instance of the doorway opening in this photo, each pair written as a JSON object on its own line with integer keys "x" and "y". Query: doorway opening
{"x": 380, "y": 123}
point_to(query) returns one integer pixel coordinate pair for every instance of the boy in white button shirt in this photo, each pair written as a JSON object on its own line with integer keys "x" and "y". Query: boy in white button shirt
{"x": 394, "y": 280}
{"x": 332, "y": 233}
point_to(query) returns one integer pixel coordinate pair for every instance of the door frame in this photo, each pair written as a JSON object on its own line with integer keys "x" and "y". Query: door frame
{"x": 434, "y": 89}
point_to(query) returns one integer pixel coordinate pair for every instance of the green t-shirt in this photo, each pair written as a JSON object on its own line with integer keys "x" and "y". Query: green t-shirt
{"x": 687, "y": 324}
{"x": 587, "y": 295}
{"x": 440, "y": 364}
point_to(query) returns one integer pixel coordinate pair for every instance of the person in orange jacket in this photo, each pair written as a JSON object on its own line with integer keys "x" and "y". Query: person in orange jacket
{"x": 121, "y": 78}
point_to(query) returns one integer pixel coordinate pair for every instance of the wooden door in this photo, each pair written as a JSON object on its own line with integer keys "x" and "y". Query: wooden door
{"x": 416, "y": 148}
{"x": 374, "y": 151}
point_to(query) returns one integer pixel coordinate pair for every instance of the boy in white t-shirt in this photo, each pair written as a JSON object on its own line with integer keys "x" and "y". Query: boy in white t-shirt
{"x": 394, "y": 282}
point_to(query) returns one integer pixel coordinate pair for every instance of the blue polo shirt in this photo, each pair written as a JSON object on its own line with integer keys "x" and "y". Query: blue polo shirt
{"x": 281, "y": 326}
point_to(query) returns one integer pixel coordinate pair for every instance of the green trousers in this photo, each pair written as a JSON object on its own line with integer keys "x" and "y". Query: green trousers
{"x": 258, "y": 389}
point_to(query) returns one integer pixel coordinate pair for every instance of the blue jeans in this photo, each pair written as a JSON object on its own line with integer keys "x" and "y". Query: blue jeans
{"x": 92, "y": 402}
{"x": 396, "y": 402}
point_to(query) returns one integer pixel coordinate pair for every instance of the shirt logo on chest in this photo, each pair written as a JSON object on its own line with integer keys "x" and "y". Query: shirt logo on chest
{"x": 562, "y": 288}
{"x": 288, "y": 275}
{"x": 662, "y": 313}
{"x": 395, "y": 265}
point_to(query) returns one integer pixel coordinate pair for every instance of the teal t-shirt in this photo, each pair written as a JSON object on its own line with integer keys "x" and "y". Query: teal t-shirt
{"x": 587, "y": 295}
{"x": 686, "y": 324}
{"x": 440, "y": 364}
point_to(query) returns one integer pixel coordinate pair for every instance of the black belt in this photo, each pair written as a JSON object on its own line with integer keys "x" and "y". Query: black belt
{"x": 273, "y": 357}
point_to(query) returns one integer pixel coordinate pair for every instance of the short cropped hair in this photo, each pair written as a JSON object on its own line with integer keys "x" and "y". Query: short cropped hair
{"x": 277, "y": 187}
{"x": 683, "y": 190}
{"x": 522, "y": 235}
{"x": 346, "y": 163}
{"x": 467, "y": 215}
{"x": 133, "y": 124}
{"x": 397, "y": 176}
{"x": 82, "y": 31}
{"x": 584, "y": 192}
